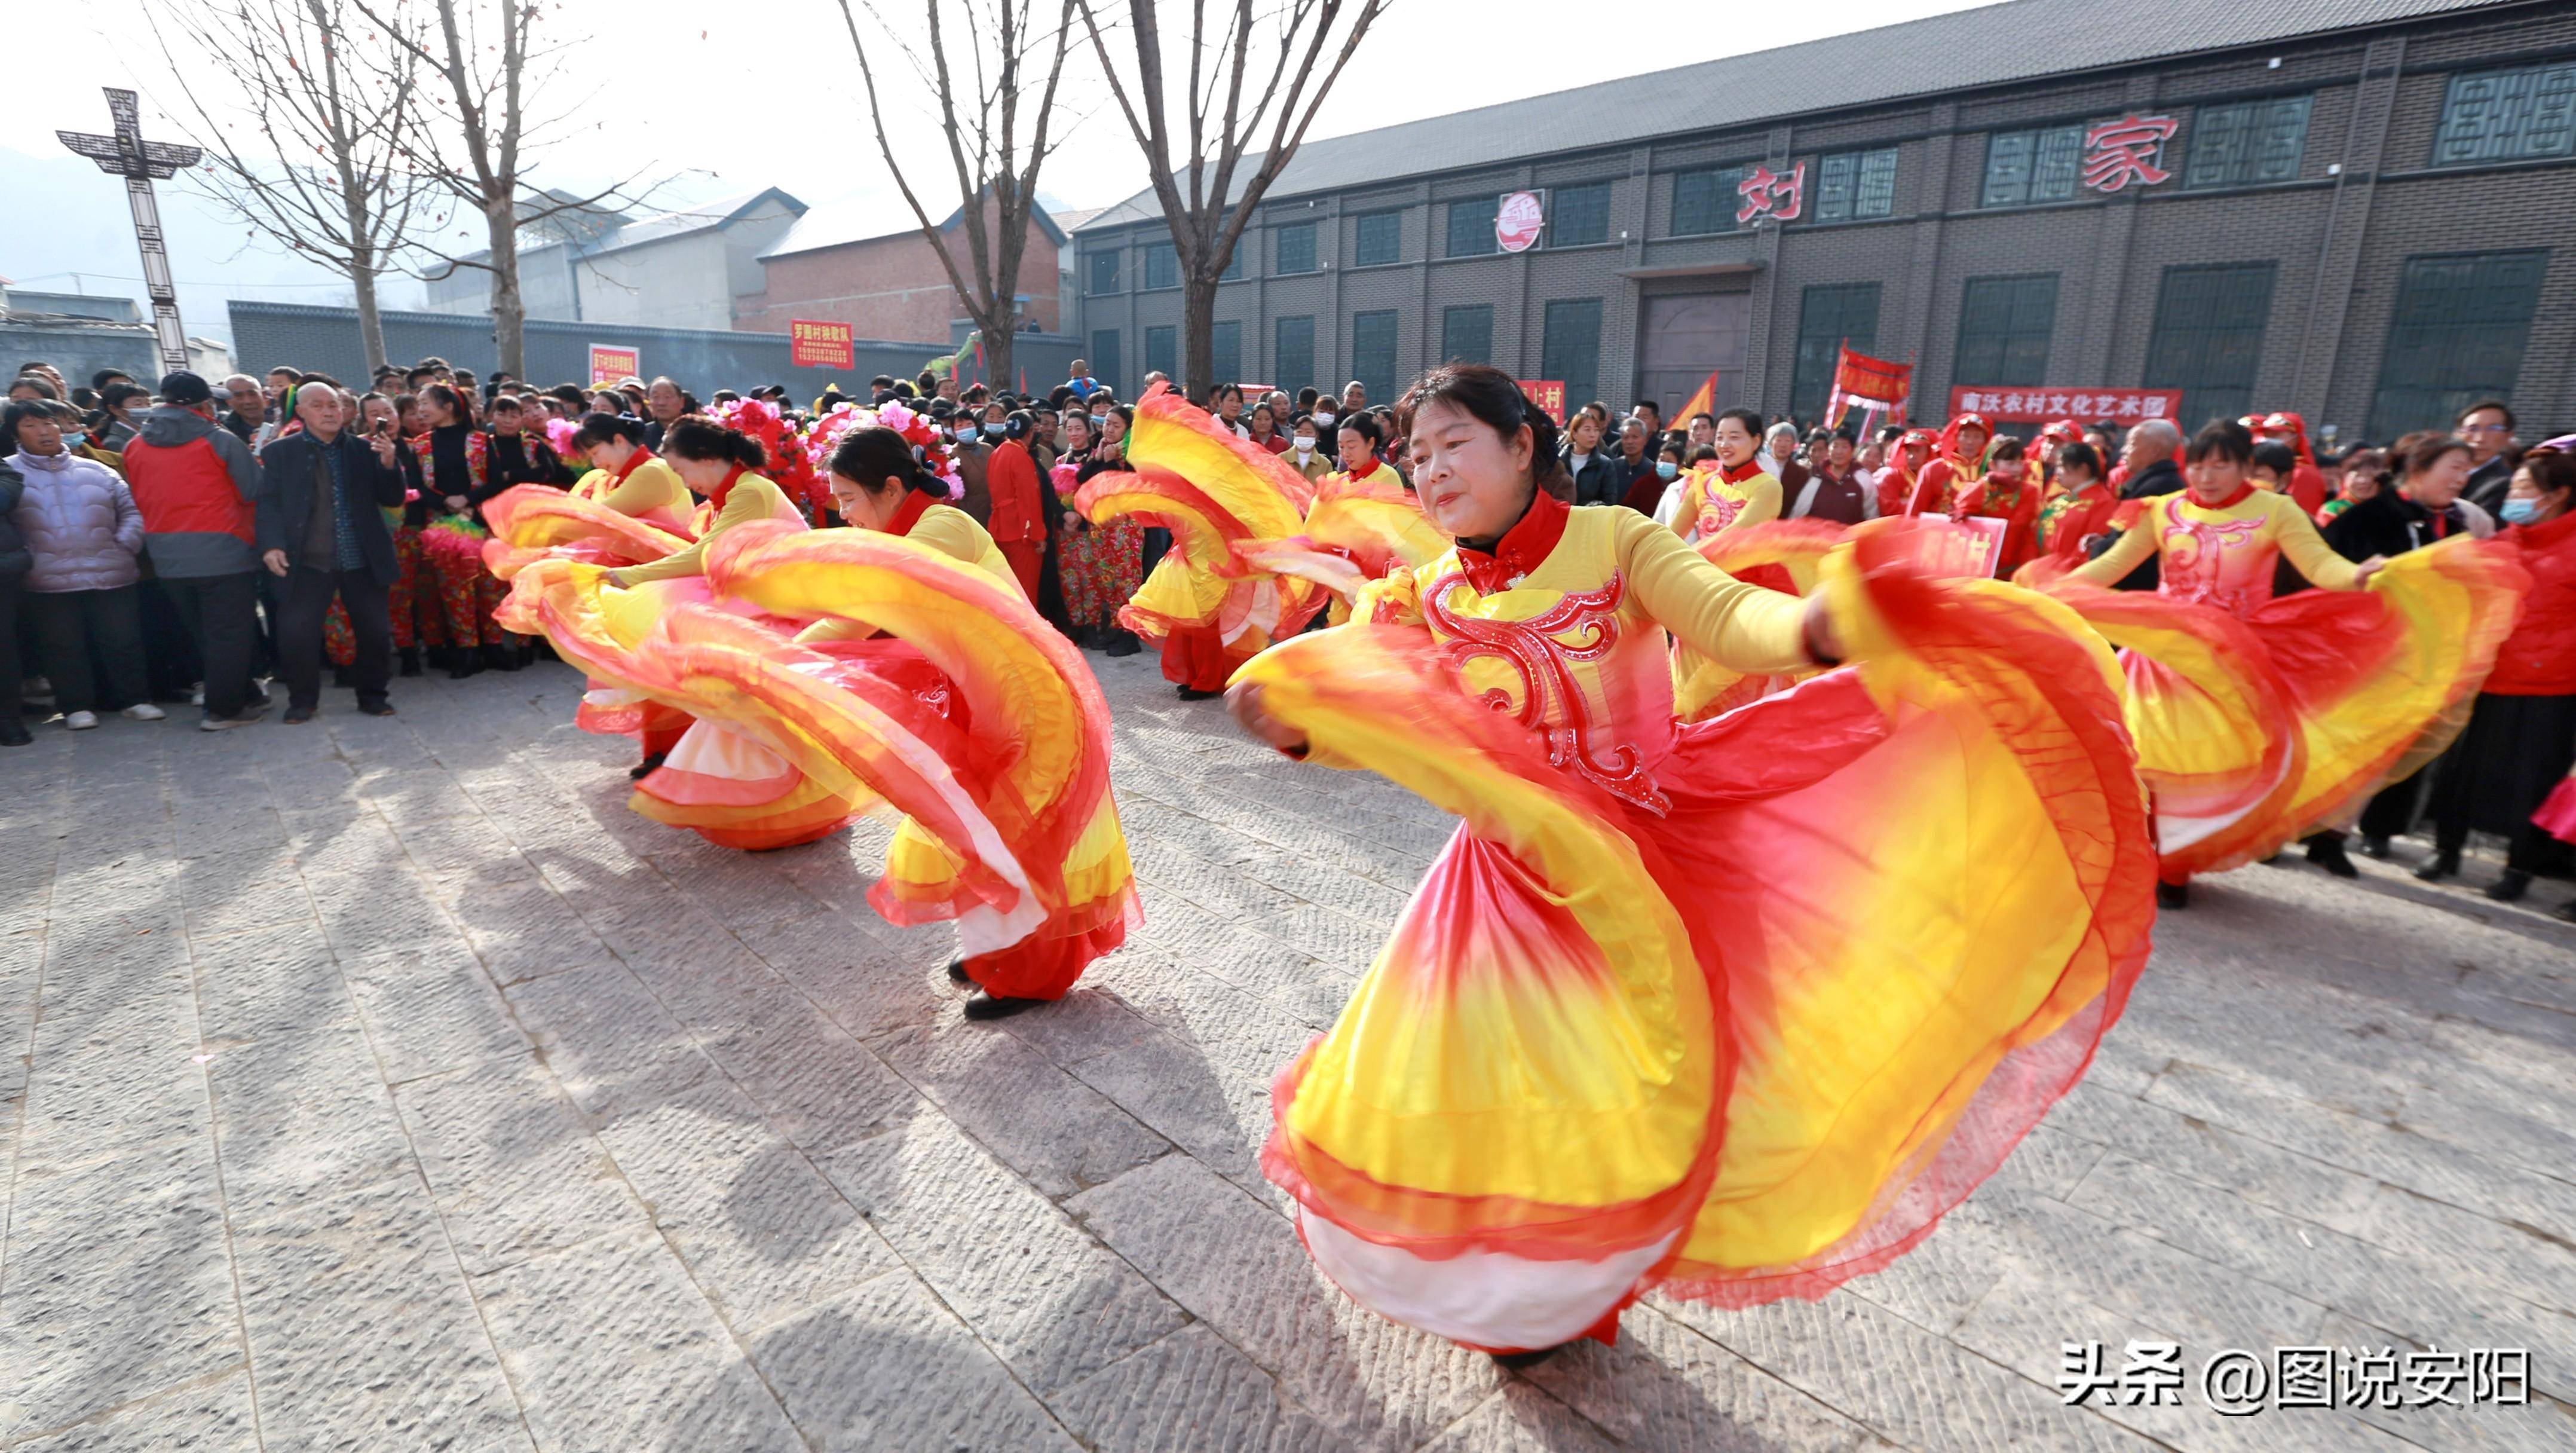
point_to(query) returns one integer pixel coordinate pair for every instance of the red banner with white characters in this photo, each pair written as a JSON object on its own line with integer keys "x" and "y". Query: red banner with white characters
{"x": 2040, "y": 405}
{"x": 820, "y": 345}
{"x": 609, "y": 363}
{"x": 1972, "y": 547}
{"x": 1548, "y": 394}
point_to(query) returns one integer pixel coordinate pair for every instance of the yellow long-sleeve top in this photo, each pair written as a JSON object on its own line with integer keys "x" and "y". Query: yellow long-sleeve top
{"x": 1712, "y": 502}
{"x": 1567, "y": 619}
{"x": 647, "y": 486}
{"x": 2222, "y": 556}
{"x": 954, "y": 533}
{"x": 751, "y": 498}
{"x": 950, "y": 531}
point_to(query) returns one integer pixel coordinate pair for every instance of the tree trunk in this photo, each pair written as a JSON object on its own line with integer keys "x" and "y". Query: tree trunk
{"x": 509, "y": 312}
{"x": 1198, "y": 334}
{"x": 997, "y": 352}
{"x": 371, "y": 323}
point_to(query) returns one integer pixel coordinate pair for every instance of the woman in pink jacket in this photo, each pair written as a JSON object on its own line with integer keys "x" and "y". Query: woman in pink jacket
{"x": 82, "y": 529}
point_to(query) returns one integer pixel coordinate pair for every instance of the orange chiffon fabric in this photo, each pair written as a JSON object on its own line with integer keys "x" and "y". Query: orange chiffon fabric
{"x": 1745, "y": 1034}
{"x": 2256, "y": 730}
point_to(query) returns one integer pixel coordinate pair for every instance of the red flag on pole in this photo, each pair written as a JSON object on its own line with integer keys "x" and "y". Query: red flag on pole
{"x": 1874, "y": 384}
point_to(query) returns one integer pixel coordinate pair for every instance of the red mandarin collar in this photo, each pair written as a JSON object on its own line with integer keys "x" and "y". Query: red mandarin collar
{"x": 1522, "y": 549}
{"x": 1365, "y": 473}
{"x": 908, "y": 514}
{"x": 632, "y": 460}
{"x": 1738, "y": 473}
{"x": 724, "y": 486}
{"x": 2236, "y": 497}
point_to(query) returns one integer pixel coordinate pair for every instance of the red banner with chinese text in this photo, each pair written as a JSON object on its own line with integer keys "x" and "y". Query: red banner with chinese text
{"x": 1873, "y": 385}
{"x": 608, "y": 365}
{"x": 1548, "y": 394}
{"x": 820, "y": 345}
{"x": 2040, "y": 405}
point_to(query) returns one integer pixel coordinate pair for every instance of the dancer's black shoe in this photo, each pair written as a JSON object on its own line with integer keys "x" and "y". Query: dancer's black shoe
{"x": 2326, "y": 852}
{"x": 988, "y": 1005}
{"x": 2173, "y": 895}
{"x": 2444, "y": 863}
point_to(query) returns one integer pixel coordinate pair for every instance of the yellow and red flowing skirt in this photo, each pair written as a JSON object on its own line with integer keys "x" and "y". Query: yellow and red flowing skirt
{"x": 1744, "y": 1045}
{"x": 2253, "y": 733}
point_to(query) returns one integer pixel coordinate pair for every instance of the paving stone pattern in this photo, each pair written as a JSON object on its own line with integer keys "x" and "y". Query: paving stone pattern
{"x": 389, "y": 1085}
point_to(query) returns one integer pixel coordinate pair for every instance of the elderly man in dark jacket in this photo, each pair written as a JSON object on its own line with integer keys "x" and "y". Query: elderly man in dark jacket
{"x": 322, "y": 531}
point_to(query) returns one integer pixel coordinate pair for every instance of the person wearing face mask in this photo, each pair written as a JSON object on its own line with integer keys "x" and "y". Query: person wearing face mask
{"x": 1327, "y": 419}
{"x": 1022, "y": 503}
{"x": 2332, "y": 691}
{"x": 1305, "y": 449}
{"x": 1624, "y": 998}
{"x": 965, "y": 430}
{"x": 2521, "y": 738}
{"x": 1647, "y": 494}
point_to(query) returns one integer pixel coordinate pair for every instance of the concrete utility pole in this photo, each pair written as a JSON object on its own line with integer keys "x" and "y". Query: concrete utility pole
{"x": 128, "y": 155}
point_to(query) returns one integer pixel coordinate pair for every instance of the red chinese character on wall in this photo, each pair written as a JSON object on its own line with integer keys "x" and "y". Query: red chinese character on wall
{"x": 2117, "y": 153}
{"x": 1767, "y": 193}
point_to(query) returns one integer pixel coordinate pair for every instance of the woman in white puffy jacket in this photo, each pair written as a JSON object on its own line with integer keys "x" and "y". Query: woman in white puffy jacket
{"x": 82, "y": 529}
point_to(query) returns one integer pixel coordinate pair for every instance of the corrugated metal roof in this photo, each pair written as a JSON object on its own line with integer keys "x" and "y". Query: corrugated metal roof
{"x": 684, "y": 220}
{"x": 1993, "y": 45}
{"x": 854, "y": 219}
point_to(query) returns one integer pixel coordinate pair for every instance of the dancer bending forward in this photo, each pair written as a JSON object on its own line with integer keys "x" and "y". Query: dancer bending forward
{"x": 1707, "y": 1008}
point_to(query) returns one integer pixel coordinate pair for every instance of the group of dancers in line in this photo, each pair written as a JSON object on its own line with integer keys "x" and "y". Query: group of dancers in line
{"x": 1801, "y": 868}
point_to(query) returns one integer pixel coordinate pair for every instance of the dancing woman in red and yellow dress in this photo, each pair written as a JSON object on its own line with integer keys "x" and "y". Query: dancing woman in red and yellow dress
{"x": 630, "y": 509}
{"x": 1211, "y": 609}
{"x": 717, "y": 778}
{"x": 1735, "y": 495}
{"x": 1017, "y": 839}
{"x": 2260, "y": 721}
{"x": 1704, "y": 1008}
{"x": 1358, "y": 528}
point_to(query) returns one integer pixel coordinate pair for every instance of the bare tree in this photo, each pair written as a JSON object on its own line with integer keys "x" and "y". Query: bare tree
{"x": 300, "y": 111}
{"x": 474, "y": 133}
{"x": 993, "y": 167}
{"x": 1203, "y": 203}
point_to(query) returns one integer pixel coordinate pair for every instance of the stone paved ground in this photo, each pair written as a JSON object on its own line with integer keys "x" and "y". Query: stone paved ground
{"x": 387, "y": 1085}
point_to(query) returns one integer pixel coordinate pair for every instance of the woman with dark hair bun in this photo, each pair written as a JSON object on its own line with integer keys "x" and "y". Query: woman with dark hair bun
{"x": 631, "y": 508}
{"x": 717, "y": 464}
{"x": 928, "y": 679}
{"x": 1704, "y": 1008}
{"x": 2331, "y": 693}
{"x": 704, "y": 768}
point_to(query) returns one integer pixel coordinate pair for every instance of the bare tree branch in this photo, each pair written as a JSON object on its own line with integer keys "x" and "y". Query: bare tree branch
{"x": 472, "y": 131}
{"x": 1223, "y": 125}
{"x": 299, "y": 111}
{"x": 993, "y": 169}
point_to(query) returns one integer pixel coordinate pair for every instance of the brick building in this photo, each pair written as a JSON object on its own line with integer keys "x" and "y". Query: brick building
{"x": 2354, "y": 208}
{"x": 844, "y": 264}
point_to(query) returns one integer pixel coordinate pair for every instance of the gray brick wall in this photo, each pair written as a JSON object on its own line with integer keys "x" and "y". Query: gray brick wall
{"x": 266, "y": 335}
{"x": 2338, "y": 240}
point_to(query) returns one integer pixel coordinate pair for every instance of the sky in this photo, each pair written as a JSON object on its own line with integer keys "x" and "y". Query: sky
{"x": 710, "y": 108}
